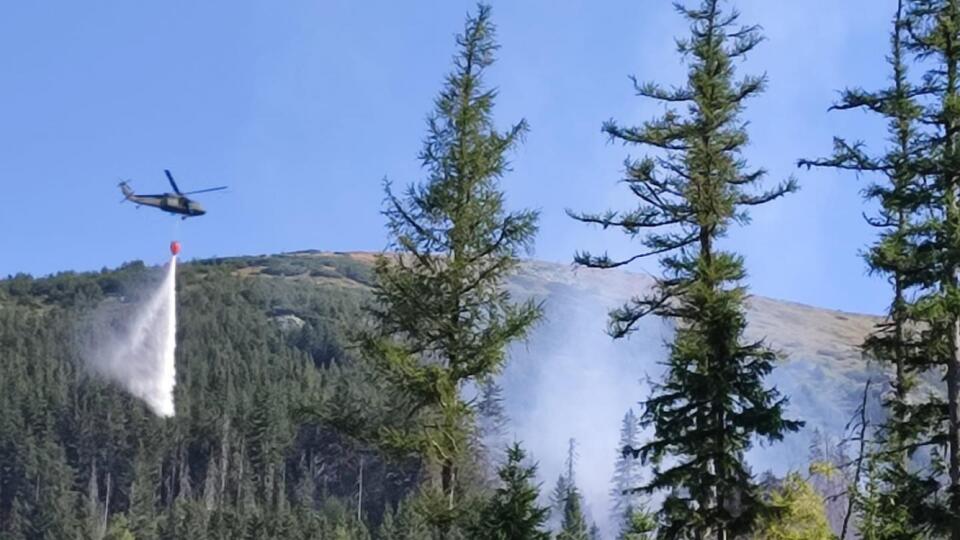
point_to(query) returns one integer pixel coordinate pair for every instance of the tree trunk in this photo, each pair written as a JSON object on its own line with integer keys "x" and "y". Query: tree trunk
{"x": 860, "y": 455}
{"x": 950, "y": 279}
{"x": 953, "y": 395}
{"x": 448, "y": 480}
{"x": 360, "y": 492}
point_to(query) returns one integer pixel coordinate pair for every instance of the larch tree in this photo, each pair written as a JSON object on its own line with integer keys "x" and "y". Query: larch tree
{"x": 637, "y": 524}
{"x": 902, "y": 254}
{"x": 443, "y": 318}
{"x": 831, "y": 470}
{"x": 712, "y": 402}
{"x": 799, "y": 513}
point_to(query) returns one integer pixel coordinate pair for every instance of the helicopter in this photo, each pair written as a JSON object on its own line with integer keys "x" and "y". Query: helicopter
{"x": 174, "y": 203}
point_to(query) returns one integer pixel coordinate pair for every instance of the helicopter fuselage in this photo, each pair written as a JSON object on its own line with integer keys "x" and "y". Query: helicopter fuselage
{"x": 170, "y": 202}
{"x": 174, "y": 203}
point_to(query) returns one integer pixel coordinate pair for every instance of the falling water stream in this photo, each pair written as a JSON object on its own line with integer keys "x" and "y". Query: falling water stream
{"x": 142, "y": 359}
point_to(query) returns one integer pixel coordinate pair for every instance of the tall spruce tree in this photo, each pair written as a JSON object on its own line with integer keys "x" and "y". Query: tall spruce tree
{"x": 712, "y": 402}
{"x": 574, "y": 524}
{"x": 443, "y": 317}
{"x": 901, "y": 255}
{"x": 143, "y": 498}
{"x": 933, "y": 30}
{"x": 881, "y": 516}
{"x": 566, "y": 481}
{"x": 489, "y": 436}
{"x": 512, "y": 513}
{"x": 627, "y": 474}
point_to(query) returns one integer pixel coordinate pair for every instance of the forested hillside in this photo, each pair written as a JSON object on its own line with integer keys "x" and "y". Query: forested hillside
{"x": 263, "y": 379}
{"x": 270, "y": 397}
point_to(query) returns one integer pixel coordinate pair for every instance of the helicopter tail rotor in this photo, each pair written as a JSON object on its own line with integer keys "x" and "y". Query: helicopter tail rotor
{"x": 127, "y": 191}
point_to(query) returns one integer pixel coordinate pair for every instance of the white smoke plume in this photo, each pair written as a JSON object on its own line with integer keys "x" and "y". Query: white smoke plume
{"x": 571, "y": 379}
{"x": 138, "y": 354}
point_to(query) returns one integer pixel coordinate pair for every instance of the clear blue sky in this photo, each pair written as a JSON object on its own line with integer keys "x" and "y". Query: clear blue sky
{"x": 303, "y": 107}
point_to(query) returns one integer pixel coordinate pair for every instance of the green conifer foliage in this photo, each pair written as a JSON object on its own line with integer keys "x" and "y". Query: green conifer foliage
{"x": 443, "y": 317}
{"x": 403, "y": 524}
{"x": 566, "y": 481}
{"x": 119, "y": 530}
{"x": 885, "y": 514}
{"x": 574, "y": 524}
{"x": 82, "y": 459}
{"x": 933, "y": 30}
{"x": 712, "y": 402}
{"x": 627, "y": 474}
{"x": 142, "y": 520}
{"x": 637, "y": 524}
{"x": 901, "y": 253}
{"x": 512, "y": 513}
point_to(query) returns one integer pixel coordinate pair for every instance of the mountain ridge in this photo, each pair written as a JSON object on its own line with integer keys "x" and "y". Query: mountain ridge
{"x": 570, "y": 379}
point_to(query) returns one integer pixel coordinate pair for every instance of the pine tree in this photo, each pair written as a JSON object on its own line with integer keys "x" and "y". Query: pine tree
{"x": 493, "y": 417}
{"x": 904, "y": 195}
{"x": 388, "y": 529}
{"x": 53, "y": 515}
{"x": 512, "y": 513}
{"x": 558, "y": 498}
{"x": 491, "y": 423}
{"x": 443, "y": 317}
{"x": 566, "y": 481}
{"x": 403, "y": 524}
{"x": 18, "y": 522}
{"x": 712, "y": 402}
{"x": 143, "y": 499}
{"x": 627, "y": 474}
{"x": 934, "y": 37}
{"x": 487, "y": 440}
{"x": 566, "y": 502}
{"x": 574, "y": 524}
{"x": 880, "y": 516}
{"x": 119, "y": 529}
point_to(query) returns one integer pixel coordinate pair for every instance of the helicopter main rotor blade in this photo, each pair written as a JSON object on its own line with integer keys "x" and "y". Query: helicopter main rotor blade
{"x": 172, "y": 183}
{"x": 204, "y": 190}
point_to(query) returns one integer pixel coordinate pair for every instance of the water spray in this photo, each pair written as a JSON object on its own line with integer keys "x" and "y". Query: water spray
{"x": 141, "y": 358}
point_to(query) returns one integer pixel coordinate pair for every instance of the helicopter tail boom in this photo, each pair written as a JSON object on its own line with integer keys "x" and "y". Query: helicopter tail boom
{"x": 127, "y": 191}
